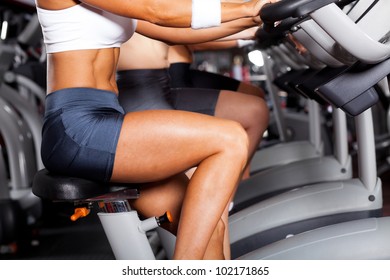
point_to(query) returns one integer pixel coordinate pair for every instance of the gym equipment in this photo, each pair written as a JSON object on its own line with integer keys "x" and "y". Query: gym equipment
{"x": 363, "y": 238}
{"x": 20, "y": 91}
{"x": 351, "y": 238}
{"x": 126, "y": 233}
{"x": 19, "y": 207}
{"x": 341, "y": 200}
{"x": 17, "y": 137}
{"x": 336, "y": 166}
{"x": 29, "y": 63}
{"x": 288, "y": 150}
{"x": 307, "y": 141}
{"x": 265, "y": 184}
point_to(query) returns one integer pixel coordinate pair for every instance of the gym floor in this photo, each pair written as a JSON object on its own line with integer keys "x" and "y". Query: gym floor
{"x": 57, "y": 238}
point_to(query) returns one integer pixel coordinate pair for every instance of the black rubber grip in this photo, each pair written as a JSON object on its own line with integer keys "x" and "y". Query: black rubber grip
{"x": 271, "y": 13}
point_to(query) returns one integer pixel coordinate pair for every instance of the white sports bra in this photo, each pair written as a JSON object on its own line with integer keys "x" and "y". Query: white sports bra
{"x": 83, "y": 27}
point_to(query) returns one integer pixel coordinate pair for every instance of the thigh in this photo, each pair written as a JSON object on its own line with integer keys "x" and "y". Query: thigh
{"x": 156, "y": 144}
{"x": 243, "y": 108}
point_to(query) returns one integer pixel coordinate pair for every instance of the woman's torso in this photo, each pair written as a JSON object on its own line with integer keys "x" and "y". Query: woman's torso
{"x": 88, "y": 59}
{"x": 179, "y": 54}
{"x": 141, "y": 52}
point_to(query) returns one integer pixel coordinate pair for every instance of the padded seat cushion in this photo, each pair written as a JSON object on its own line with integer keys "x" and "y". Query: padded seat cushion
{"x": 63, "y": 188}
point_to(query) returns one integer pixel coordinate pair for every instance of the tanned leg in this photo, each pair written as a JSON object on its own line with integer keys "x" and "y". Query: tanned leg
{"x": 156, "y": 145}
{"x": 248, "y": 110}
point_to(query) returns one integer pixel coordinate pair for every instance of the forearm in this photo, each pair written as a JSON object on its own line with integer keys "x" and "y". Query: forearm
{"x": 184, "y": 36}
{"x": 247, "y": 34}
{"x": 232, "y": 11}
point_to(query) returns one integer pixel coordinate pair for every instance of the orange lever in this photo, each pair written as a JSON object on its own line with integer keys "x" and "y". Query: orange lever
{"x": 166, "y": 218}
{"x": 79, "y": 213}
{"x": 169, "y": 216}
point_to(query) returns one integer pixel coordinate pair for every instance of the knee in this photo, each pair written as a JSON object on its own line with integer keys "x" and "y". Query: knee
{"x": 236, "y": 141}
{"x": 264, "y": 112}
{"x": 261, "y": 109}
{"x": 252, "y": 90}
{"x": 257, "y": 114}
{"x": 258, "y": 91}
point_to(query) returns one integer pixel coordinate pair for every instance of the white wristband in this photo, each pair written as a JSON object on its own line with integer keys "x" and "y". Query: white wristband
{"x": 205, "y": 13}
{"x": 242, "y": 43}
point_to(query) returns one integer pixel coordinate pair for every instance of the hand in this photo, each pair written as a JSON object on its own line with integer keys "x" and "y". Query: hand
{"x": 258, "y": 4}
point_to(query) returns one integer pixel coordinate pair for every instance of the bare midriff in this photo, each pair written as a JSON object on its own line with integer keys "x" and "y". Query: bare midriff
{"x": 152, "y": 54}
{"x": 82, "y": 68}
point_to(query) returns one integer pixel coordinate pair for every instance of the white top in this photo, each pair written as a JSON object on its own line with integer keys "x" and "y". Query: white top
{"x": 83, "y": 27}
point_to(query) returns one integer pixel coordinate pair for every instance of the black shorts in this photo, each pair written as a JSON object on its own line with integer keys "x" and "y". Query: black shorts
{"x": 206, "y": 79}
{"x": 180, "y": 75}
{"x": 183, "y": 76}
{"x": 150, "y": 89}
{"x": 144, "y": 89}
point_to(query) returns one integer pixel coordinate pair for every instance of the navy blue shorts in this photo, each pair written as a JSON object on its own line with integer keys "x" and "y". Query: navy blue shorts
{"x": 150, "y": 89}
{"x": 80, "y": 132}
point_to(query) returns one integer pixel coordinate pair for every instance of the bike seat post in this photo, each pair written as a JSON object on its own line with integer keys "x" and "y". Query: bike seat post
{"x": 124, "y": 230}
